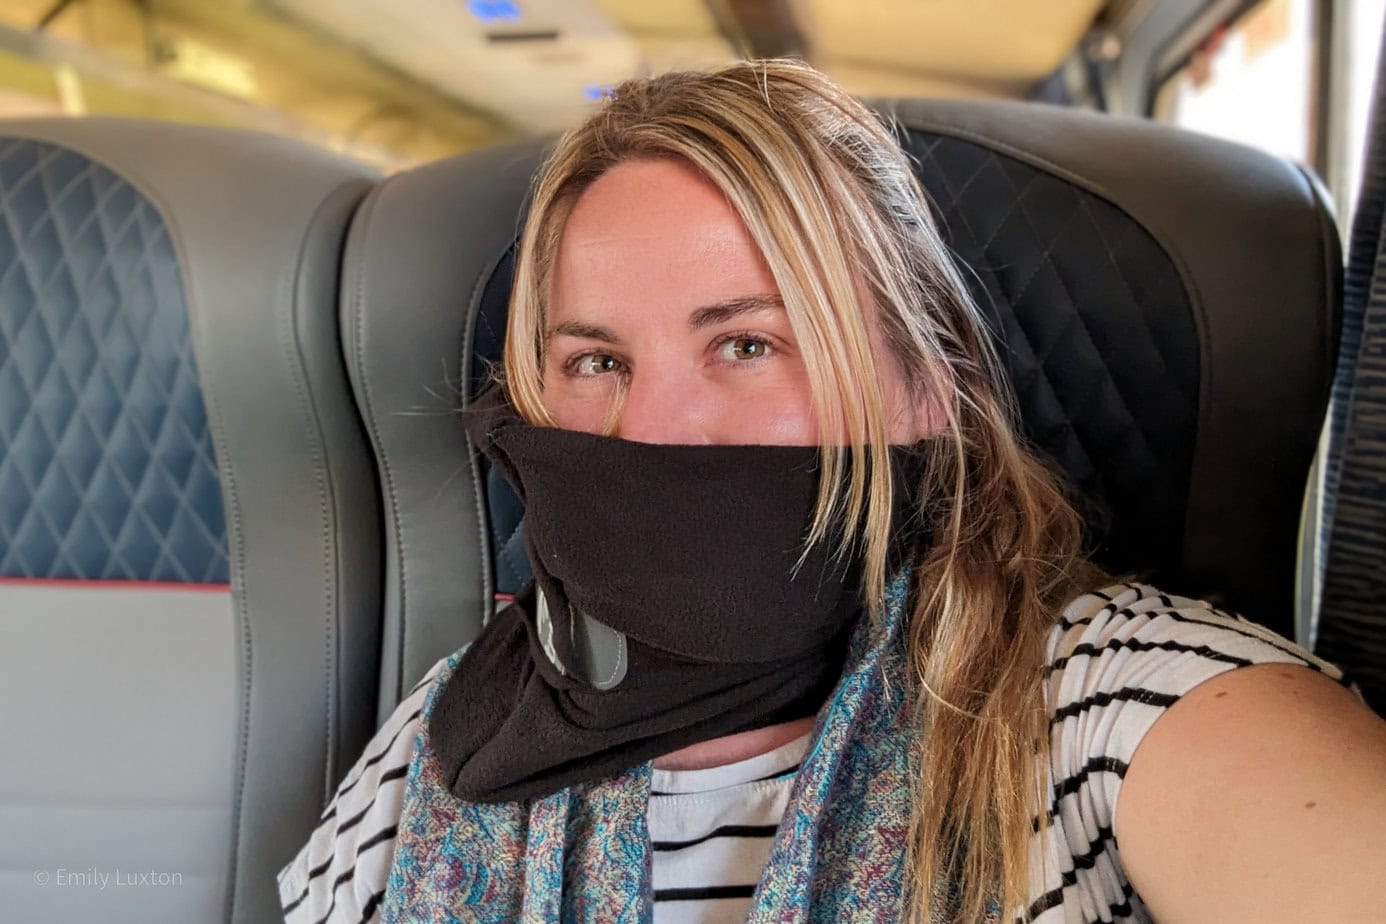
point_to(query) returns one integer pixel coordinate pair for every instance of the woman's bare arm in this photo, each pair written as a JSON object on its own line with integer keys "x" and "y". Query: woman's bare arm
{"x": 1259, "y": 796}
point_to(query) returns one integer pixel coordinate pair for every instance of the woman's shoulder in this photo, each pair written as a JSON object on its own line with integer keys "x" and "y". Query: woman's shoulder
{"x": 344, "y": 867}
{"x": 1118, "y": 659}
{"x": 1128, "y": 628}
{"x": 1124, "y": 654}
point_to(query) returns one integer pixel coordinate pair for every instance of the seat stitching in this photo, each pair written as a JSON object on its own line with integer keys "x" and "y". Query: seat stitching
{"x": 1133, "y": 424}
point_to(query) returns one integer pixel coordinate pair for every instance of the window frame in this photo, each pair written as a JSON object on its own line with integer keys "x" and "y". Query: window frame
{"x": 1175, "y": 53}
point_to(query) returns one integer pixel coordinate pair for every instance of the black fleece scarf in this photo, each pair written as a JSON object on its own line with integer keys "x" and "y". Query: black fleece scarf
{"x": 667, "y": 608}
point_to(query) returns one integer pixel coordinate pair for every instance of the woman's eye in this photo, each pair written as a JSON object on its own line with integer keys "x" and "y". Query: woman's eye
{"x": 596, "y": 364}
{"x": 741, "y": 349}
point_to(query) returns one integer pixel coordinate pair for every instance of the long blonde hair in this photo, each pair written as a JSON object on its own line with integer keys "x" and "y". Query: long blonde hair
{"x": 830, "y": 199}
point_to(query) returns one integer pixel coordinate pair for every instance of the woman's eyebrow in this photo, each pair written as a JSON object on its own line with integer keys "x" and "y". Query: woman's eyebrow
{"x": 731, "y": 308}
{"x": 583, "y": 330}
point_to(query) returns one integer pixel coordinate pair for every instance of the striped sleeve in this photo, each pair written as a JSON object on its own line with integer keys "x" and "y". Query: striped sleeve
{"x": 1118, "y": 659}
{"x": 339, "y": 876}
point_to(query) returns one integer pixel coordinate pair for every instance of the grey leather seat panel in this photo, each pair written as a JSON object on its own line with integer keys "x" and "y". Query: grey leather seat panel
{"x": 117, "y": 793}
{"x": 268, "y": 697}
{"x": 421, "y": 251}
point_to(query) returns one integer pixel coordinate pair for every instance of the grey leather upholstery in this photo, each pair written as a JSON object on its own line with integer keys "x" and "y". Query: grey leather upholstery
{"x": 1168, "y": 305}
{"x": 420, "y": 253}
{"x": 167, "y": 723}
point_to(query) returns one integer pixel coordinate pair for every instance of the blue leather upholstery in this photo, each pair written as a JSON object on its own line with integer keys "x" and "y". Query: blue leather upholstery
{"x": 107, "y": 469}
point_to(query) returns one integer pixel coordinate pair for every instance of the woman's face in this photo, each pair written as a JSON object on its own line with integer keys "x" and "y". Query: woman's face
{"x": 658, "y": 287}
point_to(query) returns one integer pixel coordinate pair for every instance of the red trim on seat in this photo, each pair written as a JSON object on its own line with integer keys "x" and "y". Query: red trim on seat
{"x": 505, "y": 598}
{"x": 115, "y": 585}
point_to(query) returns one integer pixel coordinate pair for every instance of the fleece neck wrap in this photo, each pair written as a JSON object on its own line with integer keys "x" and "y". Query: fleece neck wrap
{"x": 673, "y": 602}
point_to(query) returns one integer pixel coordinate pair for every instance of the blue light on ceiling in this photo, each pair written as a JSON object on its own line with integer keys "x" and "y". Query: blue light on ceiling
{"x": 596, "y": 92}
{"x": 489, "y": 11}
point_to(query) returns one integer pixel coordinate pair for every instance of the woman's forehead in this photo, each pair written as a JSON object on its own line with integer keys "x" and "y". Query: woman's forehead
{"x": 654, "y": 232}
{"x": 648, "y": 203}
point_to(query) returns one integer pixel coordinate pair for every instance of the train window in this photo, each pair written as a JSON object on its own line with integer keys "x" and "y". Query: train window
{"x": 1251, "y": 80}
{"x": 1355, "y": 72}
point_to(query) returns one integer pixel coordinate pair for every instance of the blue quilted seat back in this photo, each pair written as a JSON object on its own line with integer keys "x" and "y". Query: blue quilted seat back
{"x": 107, "y": 470}
{"x": 189, "y": 533}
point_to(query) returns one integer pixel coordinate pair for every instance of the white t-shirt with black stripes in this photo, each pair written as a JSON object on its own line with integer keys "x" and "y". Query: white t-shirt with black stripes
{"x": 711, "y": 833}
{"x": 1118, "y": 660}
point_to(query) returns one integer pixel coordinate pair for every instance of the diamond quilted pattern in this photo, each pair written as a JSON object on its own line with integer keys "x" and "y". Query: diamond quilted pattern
{"x": 1097, "y": 332}
{"x": 1095, "y": 327}
{"x": 107, "y": 469}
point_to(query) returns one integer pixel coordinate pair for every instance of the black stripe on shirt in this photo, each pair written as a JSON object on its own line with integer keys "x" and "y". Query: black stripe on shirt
{"x": 368, "y": 911}
{"x": 723, "y": 831}
{"x": 1069, "y": 879}
{"x": 354, "y": 820}
{"x": 1055, "y": 897}
{"x": 1096, "y": 848}
{"x": 788, "y": 771}
{"x": 1116, "y": 644}
{"x": 336, "y": 883}
{"x": 347, "y": 787}
{"x": 295, "y": 903}
{"x": 1072, "y": 784}
{"x": 427, "y": 679}
{"x": 777, "y": 775}
{"x": 707, "y": 893}
{"x": 1123, "y": 910}
{"x": 380, "y": 836}
{"x": 349, "y": 875}
{"x": 1233, "y": 624}
{"x": 1236, "y": 628}
{"x": 384, "y": 834}
{"x": 1065, "y": 623}
{"x": 1125, "y": 694}
{"x": 1051, "y": 899}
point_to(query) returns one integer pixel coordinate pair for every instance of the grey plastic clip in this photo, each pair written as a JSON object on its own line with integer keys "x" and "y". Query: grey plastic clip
{"x": 600, "y": 650}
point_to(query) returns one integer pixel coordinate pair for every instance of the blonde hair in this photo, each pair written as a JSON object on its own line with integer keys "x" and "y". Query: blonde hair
{"x": 831, "y": 201}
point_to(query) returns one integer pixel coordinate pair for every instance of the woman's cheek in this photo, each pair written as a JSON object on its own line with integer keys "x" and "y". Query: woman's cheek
{"x": 570, "y": 412}
{"x": 773, "y": 415}
{"x": 791, "y": 426}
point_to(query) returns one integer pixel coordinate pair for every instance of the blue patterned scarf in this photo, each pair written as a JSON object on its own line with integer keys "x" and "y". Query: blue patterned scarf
{"x": 583, "y": 854}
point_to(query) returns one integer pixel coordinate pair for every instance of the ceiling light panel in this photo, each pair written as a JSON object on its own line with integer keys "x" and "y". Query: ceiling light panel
{"x": 534, "y": 62}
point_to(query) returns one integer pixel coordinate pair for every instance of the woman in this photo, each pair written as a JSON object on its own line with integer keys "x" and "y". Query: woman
{"x": 811, "y": 636}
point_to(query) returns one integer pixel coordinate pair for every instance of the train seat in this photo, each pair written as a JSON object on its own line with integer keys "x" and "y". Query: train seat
{"x": 189, "y": 534}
